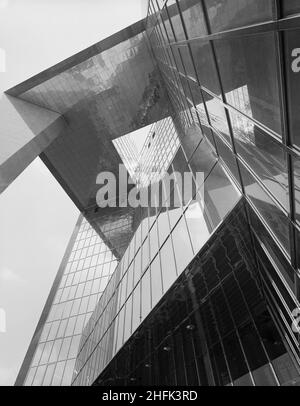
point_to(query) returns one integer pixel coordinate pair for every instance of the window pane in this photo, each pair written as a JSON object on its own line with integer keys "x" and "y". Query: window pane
{"x": 49, "y": 375}
{"x": 182, "y": 246}
{"x": 269, "y": 211}
{"x": 248, "y": 68}
{"x": 136, "y": 305}
{"x": 153, "y": 241}
{"x": 205, "y": 66}
{"x": 187, "y": 60}
{"x": 264, "y": 376}
{"x": 193, "y": 18}
{"x": 127, "y": 321}
{"x": 168, "y": 265}
{"x": 227, "y": 155}
{"x": 290, "y": 7}
{"x": 224, "y": 14}
{"x": 218, "y": 117}
{"x": 163, "y": 226}
{"x": 220, "y": 194}
{"x": 292, "y": 75}
{"x": 59, "y": 370}
{"x": 198, "y": 227}
{"x": 176, "y": 23}
{"x": 156, "y": 283}
{"x": 252, "y": 347}
{"x": 145, "y": 254}
{"x": 235, "y": 357}
{"x": 297, "y": 187}
{"x": 265, "y": 157}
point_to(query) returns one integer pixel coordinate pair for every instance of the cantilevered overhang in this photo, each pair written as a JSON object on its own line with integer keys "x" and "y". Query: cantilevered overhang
{"x": 103, "y": 92}
{"x": 106, "y": 91}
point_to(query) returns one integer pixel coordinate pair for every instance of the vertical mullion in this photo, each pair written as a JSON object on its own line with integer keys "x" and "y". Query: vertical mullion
{"x": 286, "y": 136}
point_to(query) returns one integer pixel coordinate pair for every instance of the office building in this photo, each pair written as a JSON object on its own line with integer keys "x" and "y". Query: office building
{"x": 200, "y": 293}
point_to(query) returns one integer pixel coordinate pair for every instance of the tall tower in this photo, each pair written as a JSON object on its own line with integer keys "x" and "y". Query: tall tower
{"x": 204, "y": 291}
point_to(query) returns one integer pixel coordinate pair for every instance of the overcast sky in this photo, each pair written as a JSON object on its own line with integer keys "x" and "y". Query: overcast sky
{"x": 36, "y": 215}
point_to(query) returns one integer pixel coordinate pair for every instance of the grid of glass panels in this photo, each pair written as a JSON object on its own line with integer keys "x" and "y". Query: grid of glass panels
{"x": 240, "y": 88}
{"x": 212, "y": 327}
{"x": 128, "y": 152}
{"x": 163, "y": 245}
{"x": 158, "y": 152}
{"x": 86, "y": 274}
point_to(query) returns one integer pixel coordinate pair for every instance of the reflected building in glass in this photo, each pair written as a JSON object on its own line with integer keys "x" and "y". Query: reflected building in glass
{"x": 203, "y": 292}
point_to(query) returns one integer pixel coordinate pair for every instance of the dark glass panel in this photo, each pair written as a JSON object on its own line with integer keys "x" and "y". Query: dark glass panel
{"x": 187, "y": 60}
{"x": 220, "y": 370}
{"x": 217, "y": 116}
{"x": 234, "y": 356}
{"x": 285, "y": 370}
{"x": 243, "y": 381}
{"x": 128, "y": 318}
{"x": 176, "y": 22}
{"x": 249, "y": 74}
{"x": 252, "y": 346}
{"x": 193, "y": 17}
{"x": 296, "y": 164}
{"x": 205, "y": 66}
{"x": 269, "y": 334}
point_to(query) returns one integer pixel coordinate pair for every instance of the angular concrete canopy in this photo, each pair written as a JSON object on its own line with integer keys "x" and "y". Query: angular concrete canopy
{"x": 84, "y": 102}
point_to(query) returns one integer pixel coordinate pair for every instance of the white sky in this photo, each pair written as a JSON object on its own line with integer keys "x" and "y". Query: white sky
{"x": 36, "y": 215}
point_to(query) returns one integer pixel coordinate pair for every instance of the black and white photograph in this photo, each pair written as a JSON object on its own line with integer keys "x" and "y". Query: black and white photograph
{"x": 149, "y": 197}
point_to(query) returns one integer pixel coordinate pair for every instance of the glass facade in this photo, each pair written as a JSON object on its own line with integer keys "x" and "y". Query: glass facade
{"x": 203, "y": 292}
{"x": 212, "y": 327}
{"x": 85, "y": 276}
{"x": 230, "y": 88}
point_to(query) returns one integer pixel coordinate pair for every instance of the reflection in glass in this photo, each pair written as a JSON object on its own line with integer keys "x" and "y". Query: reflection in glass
{"x": 224, "y": 14}
{"x": 265, "y": 157}
{"x": 146, "y": 295}
{"x": 168, "y": 267}
{"x": 193, "y": 18}
{"x": 182, "y": 245}
{"x": 197, "y": 225}
{"x": 269, "y": 211}
{"x": 217, "y": 116}
{"x": 205, "y": 66}
{"x": 290, "y": 7}
{"x": 220, "y": 194}
{"x": 249, "y": 77}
